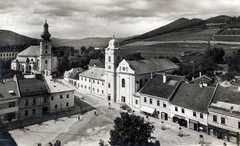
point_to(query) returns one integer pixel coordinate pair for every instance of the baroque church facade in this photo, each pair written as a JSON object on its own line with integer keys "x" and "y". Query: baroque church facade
{"x": 120, "y": 78}
{"x": 40, "y": 58}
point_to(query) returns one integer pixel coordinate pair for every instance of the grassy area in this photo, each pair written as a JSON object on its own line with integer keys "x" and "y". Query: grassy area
{"x": 166, "y": 49}
{"x": 203, "y": 34}
{"x": 229, "y": 38}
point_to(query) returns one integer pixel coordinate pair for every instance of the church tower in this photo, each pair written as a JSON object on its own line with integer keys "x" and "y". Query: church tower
{"x": 112, "y": 59}
{"x": 45, "y": 62}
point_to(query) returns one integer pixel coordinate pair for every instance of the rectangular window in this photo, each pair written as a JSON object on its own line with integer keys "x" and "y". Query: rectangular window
{"x": 89, "y": 80}
{"x": 150, "y": 101}
{"x": 109, "y": 58}
{"x": 201, "y": 115}
{"x": 45, "y": 61}
{"x": 158, "y": 103}
{"x": 214, "y": 118}
{"x": 183, "y": 111}
{"x": 97, "y": 82}
{"x": 123, "y": 98}
{"x": 145, "y": 99}
{"x": 102, "y": 91}
{"x": 0, "y": 106}
{"x": 55, "y": 106}
{"x": 176, "y": 109}
{"x": 52, "y": 98}
{"x": 93, "y": 81}
{"x": 136, "y": 101}
{"x": 194, "y": 114}
{"x": 238, "y": 125}
{"x": 222, "y": 120}
{"x": 26, "y": 112}
{"x": 11, "y": 104}
{"x": 164, "y": 105}
{"x": 61, "y": 96}
{"x": 109, "y": 85}
{"x": 34, "y": 101}
{"x": 44, "y": 99}
{"x": 67, "y": 95}
{"x": 67, "y": 104}
{"x": 34, "y": 111}
{"x": 26, "y": 102}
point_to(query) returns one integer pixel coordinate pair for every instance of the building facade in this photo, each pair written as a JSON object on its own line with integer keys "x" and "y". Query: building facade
{"x": 41, "y": 58}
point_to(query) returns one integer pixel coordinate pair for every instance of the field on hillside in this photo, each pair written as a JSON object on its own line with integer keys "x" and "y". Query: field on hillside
{"x": 166, "y": 49}
{"x": 229, "y": 38}
{"x": 204, "y": 34}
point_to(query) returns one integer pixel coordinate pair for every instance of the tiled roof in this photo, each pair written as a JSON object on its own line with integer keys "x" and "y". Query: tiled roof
{"x": 21, "y": 60}
{"x": 94, "y": 73}
{"x": 30, "y": 51}
{"x": 32, "y": 86}
{"x": 229, "y": 94}
{"x": 153, "y": 65}
{"x": 191, "y": 96}
{"x": 8, "y": 90}
{"x": 156, "y": 87}
{"x": 75, "y": 73}
{"x": 96, "y": 63}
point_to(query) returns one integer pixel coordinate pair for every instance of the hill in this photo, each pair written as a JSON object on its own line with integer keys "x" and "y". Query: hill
{"x": 11, "y": 38}
{"x": 77, "y": 43}
{"x": 179, "y": 24}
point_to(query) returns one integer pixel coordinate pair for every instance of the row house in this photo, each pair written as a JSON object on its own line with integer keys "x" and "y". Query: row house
{"x": 189, "y": 106}
{"x": 34, "y": 96}
{"x": 92, "y": 81}
{"x": 9, "y": 97}
{"x": 72, "y": 76}
{"x": 61, "y": 97}
{"x": 224, "y": 113}
{"x": 154, "y": 97}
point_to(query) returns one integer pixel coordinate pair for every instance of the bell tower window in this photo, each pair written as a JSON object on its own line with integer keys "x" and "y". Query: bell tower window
{"x": 46, "y": 47}
{"x": 109, "y": 58}
{"x": 123, "y": 83}
{"x": 45, "y": 61}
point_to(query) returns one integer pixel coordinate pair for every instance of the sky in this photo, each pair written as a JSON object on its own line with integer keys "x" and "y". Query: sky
{"x": 77, "y": 19}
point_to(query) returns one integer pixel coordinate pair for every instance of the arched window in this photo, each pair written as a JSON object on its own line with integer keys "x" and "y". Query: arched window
{"x": 123, "y": 82}
{"x": 109, "y": 58}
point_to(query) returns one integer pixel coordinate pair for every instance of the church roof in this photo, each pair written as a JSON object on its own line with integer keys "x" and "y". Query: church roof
{"x": 94, "y": 73}
{"x": 153, "y": 65}
{"x": 31, "y": 51}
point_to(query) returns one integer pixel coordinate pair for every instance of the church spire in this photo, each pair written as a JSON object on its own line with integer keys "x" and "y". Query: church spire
{"x": 45, "y": 35}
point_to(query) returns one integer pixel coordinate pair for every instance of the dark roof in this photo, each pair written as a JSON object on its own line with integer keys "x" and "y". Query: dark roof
{"x": 96, "y": 62}
{"x": 75, "y": 73}
{"x": 5, "y": 138}
{"x": 202, "y": 79}
{"x": 191, "y": 96}
{"x": 30, "y": 51}
{"x": 156, "y": 87}
{"x": 153, "y": 65}
{"x": 32, "y": 86}
{"x": 8, "y": 90}
{"x": 229, "y": 94}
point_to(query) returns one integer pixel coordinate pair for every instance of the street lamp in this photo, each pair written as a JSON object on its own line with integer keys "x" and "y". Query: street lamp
{"x": 163, "y": 125}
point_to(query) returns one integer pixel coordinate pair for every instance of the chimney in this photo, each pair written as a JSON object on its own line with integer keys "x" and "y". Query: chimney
{"x": 200, "y": 74}
{"x": 164, "y": 78}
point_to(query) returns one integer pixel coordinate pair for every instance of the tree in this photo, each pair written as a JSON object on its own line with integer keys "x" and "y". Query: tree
{"x": 130, "y": 129}
{"x": 134, "y": 56}
{"x": 63, "y": 65}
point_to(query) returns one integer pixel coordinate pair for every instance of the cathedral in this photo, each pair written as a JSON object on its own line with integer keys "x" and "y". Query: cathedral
{"x": 40, "y": 58}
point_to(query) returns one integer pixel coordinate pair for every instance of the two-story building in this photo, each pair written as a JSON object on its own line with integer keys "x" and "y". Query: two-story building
{"x": 224, "y": 113}
{"x": 155, "y": 95}
{"x": 189, "y": 106}
{"x": 34, "y": 96}
{"x": 9, "y": 96}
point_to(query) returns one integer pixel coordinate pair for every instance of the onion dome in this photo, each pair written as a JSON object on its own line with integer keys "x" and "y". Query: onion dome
{"x": 45, "y": 35}
{"x": 113, "y": 43}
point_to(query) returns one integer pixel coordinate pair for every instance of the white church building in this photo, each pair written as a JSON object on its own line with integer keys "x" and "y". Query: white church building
{"x": 120, "y": 79}
{"x": 39, "y": 58}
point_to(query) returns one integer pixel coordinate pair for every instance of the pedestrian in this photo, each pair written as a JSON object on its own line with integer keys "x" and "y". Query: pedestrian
{"x": 95, "y": 112}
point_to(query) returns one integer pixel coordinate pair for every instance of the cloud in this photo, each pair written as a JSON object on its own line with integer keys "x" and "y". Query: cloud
{"x": 86, "y": 18}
